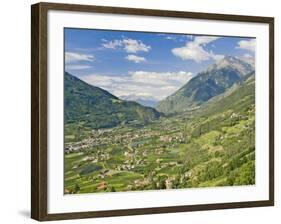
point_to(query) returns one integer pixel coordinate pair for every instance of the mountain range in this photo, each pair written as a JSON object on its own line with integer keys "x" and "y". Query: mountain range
{"x": 97, "y": 108}
{"x": 215, "y": 80}
{"x": 217, "y": 86}
{"x": 143, "y": 100}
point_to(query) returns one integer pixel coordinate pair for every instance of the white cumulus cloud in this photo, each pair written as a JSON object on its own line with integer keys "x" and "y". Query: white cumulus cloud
{"x": 157, "y": 85}
{"x": 112, "y": 44}
{"x": 134, "y": 46}
{"x": 135, "y": 58}
{"x": 75, "y": 57}
{"x": 127, "y": 44}
{"x": 248, "y": 56}
{"x": 249, "y": 45}
{"x": 194, "y": 50}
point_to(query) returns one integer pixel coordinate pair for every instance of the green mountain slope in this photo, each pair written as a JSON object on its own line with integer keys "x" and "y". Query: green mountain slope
{"x": 217, "y": 79}
{"x": 98, "y": 108}
{"x": 237, "y": 98}
{"x": 223, "y": 130}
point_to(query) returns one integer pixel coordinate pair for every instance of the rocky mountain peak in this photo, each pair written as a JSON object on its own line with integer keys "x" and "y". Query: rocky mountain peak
{"x": 231, "y": 62}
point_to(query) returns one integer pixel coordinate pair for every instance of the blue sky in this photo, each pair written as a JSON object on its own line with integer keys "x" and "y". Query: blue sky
{"x": 145, "y": 65}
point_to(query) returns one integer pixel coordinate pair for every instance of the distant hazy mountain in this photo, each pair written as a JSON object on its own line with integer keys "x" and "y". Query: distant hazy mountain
{"x": 218, "y": 78}
{"x": 100, "y": 109}
{"x": 143, "y": 100}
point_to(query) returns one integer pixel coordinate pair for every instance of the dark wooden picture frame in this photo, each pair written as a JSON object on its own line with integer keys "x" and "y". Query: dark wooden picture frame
{"x": 39, "y": 202}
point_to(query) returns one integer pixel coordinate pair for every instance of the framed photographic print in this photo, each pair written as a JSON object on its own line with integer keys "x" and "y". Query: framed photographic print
{"x": 138, "y": 111}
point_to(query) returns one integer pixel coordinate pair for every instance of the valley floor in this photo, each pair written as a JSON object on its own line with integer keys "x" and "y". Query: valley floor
{"x": 183, "y": 151}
